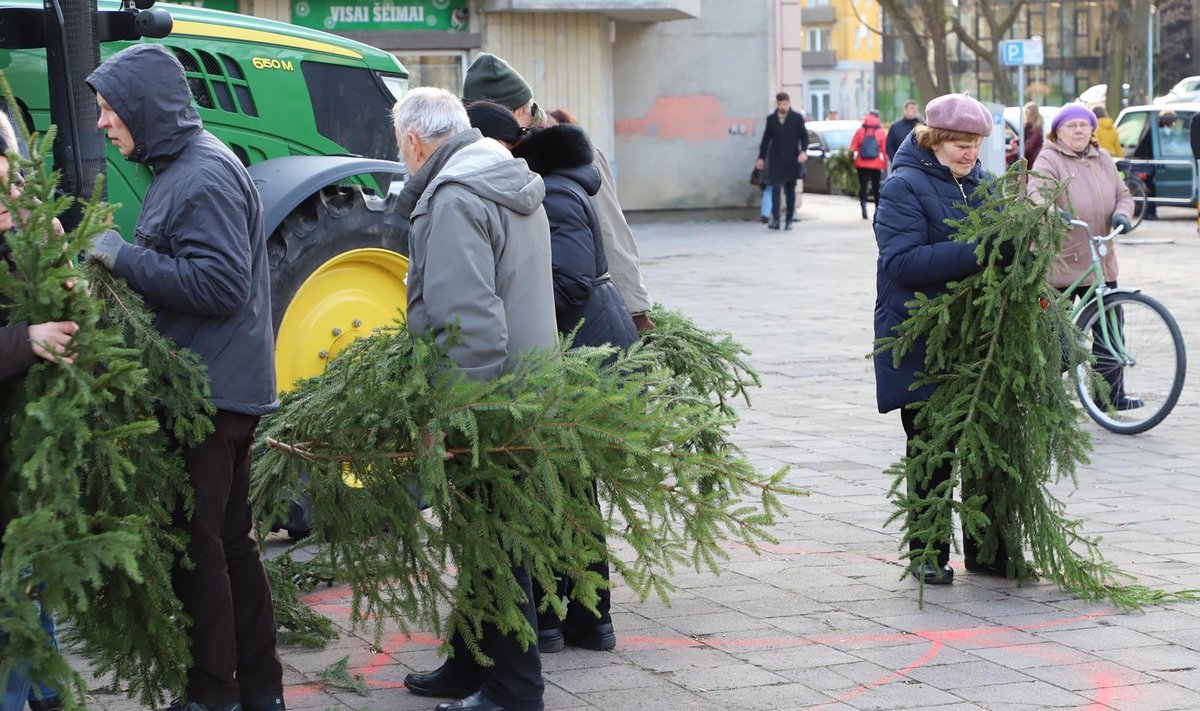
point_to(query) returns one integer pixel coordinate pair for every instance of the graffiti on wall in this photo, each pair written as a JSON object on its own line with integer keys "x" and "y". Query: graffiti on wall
{"x": 695, "y": 118}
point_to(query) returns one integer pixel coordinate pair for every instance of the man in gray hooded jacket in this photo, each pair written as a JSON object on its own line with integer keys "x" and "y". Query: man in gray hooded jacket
{"x": 479, "y": 255}
{"x": 200, "y": 262}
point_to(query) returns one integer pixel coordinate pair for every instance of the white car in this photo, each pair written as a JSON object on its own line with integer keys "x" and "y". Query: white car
{"x": 1188, "y": 89}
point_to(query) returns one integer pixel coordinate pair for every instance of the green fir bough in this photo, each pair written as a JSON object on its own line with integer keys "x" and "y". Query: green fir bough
{"x": 89, "y": 479}
{"x": 507, "y": 470}
{"x": 1004, "y": 416}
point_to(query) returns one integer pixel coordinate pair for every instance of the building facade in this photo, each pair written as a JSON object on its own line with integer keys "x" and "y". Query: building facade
{"x": 842, "y": 45}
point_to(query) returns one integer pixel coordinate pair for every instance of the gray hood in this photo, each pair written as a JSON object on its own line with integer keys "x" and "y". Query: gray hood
{"x": 488, "y": 170}
{"x": 146, "y": 86}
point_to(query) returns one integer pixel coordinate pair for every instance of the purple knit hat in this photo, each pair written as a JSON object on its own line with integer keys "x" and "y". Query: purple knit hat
{"x": 1072, "y": 112}
{"x": 959, "y": 112}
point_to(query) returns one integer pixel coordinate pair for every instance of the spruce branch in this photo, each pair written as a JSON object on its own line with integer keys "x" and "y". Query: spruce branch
{"x": 413, "y": 470}
{"x": 1003, "y": 415}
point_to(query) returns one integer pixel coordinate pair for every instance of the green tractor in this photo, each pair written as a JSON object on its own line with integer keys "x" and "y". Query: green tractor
{"x": 307, "y": 112}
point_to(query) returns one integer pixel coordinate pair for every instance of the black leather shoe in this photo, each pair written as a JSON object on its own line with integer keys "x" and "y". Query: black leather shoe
{"x": 998, "y": 569}
{"x": 934, "y": 575}
{"x": 50, "y": 703}
{"x": 598, "y": 637}
{"x": 773, "y": 226}
{"x": 1125, "y": 403}
{"x": 550, "y": 640}
{"x": 274, "y": 702}
{"x": 765, "y": 220}
{"x": 442, "y": 681}
{"x": 787, "y": 225}
{"x": 474, "y": 702}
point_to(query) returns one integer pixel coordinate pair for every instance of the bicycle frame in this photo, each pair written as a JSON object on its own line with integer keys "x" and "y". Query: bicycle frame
{"x": 1110, "y": 337}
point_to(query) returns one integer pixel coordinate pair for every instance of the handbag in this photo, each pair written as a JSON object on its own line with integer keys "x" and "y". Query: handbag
{"x": 757, "y": 177}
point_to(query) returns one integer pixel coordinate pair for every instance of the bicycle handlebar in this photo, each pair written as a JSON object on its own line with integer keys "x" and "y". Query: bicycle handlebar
{"x": 1088, "y": 228}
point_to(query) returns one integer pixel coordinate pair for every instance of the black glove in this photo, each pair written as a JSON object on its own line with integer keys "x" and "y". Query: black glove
{"x": 1119, "y": 220}
{"x": 1006, "y": 252}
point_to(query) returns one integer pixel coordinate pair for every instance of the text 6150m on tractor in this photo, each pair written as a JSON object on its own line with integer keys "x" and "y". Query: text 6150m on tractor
{"x": 306, "y": 111}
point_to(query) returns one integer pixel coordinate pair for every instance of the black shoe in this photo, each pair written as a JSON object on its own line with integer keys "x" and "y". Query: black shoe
{"x": 197, "y": 706}
{"x": 998, "y": 569}
{"x": 765, "y": 220}
{"x": 934, "y": 575}
{"x": 273, "y": 702}
{"x": 787, "y": 225}
{"x": 864, "y": 210}
{"x": 598, "y": 637}
{"x": 442, "y": 681}
{"x": 773, "y": 226}
{"x": 1125, "y": 403}
{"x": 550, "y": 639}
{"x": 474, "y": 702}
{"x": 50, "y": 703}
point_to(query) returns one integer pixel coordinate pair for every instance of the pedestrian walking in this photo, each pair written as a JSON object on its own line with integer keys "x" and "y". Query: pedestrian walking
{"x": 901, "y": 128}
{"x": 1106, "y": 132}
{"x": 490, "y": 78}
{"x": 1034, "y": 127}
{"x": 586, "y": 303}
{"x": 933, "y": 181}
{"x": 480, "y": 258}
{"x": 200, "y": 262}
{"x": 869, "y": 158}
{"x": 781, "y": 152}
{"x": 1095, "y": 194}
{"x": 21, "y": 345}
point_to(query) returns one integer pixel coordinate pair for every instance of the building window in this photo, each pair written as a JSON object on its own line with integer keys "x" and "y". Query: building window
{"x": 818, "y": 98}
{"x": 1081, "y": 22}
{"x": 820, "y": 39}
{"x": 443, "y": 70}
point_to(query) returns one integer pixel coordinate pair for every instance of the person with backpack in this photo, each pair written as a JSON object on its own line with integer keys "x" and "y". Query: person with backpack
{"x": 869, "y": 159}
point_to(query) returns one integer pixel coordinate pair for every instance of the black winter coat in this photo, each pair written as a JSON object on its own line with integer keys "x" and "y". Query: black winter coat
{"x": 200, "y": 259}
{"x": 781, "y": 146}
{"x": 916, "y": 254}
{"x": 583, "y": 291}
{"x": 897, "y": 133}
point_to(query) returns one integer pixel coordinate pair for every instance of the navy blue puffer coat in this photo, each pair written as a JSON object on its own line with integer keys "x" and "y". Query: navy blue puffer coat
{"x": 584, "y": 294}
{"x": 916, "y": 254}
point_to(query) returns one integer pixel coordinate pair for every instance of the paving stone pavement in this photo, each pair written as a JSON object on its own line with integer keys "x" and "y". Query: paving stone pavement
{"x": 823, "y": 619}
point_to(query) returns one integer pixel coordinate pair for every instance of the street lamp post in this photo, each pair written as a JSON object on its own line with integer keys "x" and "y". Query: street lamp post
{"x": 1150, "y": 55}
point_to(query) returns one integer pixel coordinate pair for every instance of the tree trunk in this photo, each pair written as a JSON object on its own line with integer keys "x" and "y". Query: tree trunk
{"x": 1118, "y": 52}
{"x": 914, "y": 40}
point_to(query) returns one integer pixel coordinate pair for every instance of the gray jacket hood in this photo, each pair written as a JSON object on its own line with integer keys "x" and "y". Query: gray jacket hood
{"x": 146, "y": 86}
{"x": 488, "y": 170}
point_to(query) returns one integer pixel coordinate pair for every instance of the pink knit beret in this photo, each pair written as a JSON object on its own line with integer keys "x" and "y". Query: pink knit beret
{"x": 959, "y": 112}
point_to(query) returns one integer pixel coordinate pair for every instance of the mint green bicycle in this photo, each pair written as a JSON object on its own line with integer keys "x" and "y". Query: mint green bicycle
{"x": 1137, "y": 350}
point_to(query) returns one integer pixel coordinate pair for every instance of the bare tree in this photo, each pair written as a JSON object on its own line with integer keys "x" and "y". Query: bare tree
{"x": 923, "y": 35}
{"x": 988, "y": 49}
{"x": 1118, "y": 54}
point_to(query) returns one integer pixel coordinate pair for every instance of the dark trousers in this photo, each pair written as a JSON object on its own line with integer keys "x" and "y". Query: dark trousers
{"x": 578, "y": 616}
{"x": 514, "y": 681}
{"x": 865, "y": 176}
{"x": 908, "y": 418}
{"x": 789, "y": 192}
{"x": 226, "y": 593}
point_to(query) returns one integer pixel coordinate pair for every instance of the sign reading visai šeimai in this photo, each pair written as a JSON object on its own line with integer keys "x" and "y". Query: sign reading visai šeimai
{"x": 380, "y": 15}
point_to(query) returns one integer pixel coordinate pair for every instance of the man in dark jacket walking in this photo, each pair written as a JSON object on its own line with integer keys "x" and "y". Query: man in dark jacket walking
{"x": 783, "y": 146}
{"x": 899, "y": 130}
{"x": 200, "y": 262}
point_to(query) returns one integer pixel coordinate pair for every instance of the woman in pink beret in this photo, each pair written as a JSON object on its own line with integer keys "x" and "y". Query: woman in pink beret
{"x": 934, "y": 177}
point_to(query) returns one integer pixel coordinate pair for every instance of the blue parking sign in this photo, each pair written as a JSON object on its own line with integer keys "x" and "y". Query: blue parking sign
{"x": 1012, "y": 52}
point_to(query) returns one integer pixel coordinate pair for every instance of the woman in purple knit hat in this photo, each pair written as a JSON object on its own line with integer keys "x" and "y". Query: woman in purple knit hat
{"x": 934, "y": 175}
{"x": 1096, "y": 194}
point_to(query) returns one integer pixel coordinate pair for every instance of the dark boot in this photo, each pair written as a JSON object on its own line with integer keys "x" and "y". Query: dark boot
{"x": 998, "y": 567}
{"x": 863, "y": 204}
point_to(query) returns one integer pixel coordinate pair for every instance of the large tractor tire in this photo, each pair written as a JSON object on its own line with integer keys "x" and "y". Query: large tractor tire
{"x": 338, "y": 266}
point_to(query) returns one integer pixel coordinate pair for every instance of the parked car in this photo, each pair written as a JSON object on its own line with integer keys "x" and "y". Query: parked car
{"x": 825, "y": 137}
{"x": 1188, "y": 89}
{"x": 1156, "y": 140}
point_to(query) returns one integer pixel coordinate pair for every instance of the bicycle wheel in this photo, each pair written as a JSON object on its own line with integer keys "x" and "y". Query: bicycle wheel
{"x": 1144, "y": 383}
{"x": 1138, "y": 190}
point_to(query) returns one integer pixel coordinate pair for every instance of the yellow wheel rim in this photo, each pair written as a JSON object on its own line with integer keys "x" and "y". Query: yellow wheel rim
{"x": 340, "y": 301}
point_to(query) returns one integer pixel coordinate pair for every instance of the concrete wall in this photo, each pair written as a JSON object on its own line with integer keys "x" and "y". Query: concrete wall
{"x": 567, "y": 57}
{"x": 691, "y": 97}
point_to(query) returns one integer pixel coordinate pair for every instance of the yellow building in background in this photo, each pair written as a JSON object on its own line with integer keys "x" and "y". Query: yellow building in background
{"x": 841, "y": 46}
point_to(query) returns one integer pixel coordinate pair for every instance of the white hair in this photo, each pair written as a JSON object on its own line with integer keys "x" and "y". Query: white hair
{"x": 431, "y": 113}
{"x": 7, "y": 134}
